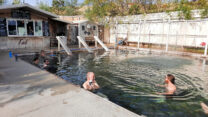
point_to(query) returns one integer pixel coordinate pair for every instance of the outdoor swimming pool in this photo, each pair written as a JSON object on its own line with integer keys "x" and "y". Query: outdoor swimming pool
{"x": 128, "y": 78}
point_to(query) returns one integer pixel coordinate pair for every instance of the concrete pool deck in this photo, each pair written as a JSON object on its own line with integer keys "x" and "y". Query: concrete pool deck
{"x": 26, "y": 91}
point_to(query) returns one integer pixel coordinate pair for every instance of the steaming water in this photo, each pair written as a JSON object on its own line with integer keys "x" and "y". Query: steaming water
{"x": 129, "y": 79}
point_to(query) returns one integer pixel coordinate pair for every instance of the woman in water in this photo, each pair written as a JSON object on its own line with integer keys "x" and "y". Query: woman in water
{"x": 169, "y": 85}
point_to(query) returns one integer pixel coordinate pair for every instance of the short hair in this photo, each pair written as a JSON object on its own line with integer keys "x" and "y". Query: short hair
{"x": 45, "y": 60}
{"x": 171, "y": 78}
{"x": 35, "y": 59}
{"x": 42, "y": 51}
{"x": 89, "y": 74}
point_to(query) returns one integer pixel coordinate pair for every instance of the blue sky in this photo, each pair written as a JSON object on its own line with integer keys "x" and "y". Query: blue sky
{"x": 34, "y": 2}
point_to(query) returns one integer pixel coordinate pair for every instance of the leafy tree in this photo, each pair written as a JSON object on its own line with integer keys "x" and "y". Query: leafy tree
{"x": 65, "y": 7}
{"x": 71, "y": 8}
{"x": 16, "y": 2}
{"x": 1, "y": 2}
{"x": 184, "y": 10}
{"x": 134, "y": 9}
{"x": 58, "y": 7}
{"x": 44, "y": 6}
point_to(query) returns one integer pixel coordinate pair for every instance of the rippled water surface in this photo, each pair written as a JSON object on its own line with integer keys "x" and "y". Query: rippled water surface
{"x": 129, "y": 79}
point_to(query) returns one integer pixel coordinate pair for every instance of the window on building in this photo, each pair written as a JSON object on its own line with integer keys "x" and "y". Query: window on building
{"x": 38, "y": 28}
{"x": 21, "y": 28}
{"x": 12, "y": 27}
{"x": 45, "y": 28}
{"x": 30, "y": 28}
{"x": 94, "y": 27}
{"x": 83, "y": 27}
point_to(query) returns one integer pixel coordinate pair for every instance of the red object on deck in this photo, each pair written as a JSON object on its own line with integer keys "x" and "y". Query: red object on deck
{"x": 203, "y": 43}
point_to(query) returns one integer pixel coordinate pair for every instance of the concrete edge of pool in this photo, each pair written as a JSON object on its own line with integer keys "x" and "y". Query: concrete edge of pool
{"x": 28, "y": 91}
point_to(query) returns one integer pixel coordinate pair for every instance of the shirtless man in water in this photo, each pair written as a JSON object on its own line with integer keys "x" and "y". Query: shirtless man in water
{"x": 90, "y": 84}
{"x": 204, "y": 107}
{"x": 169, "y": 85}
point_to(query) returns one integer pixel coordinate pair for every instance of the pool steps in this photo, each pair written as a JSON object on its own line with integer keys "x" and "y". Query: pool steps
{"x": 63, "y": 40}
{"x": 101, "y": 43}
{"x": 84, "y": 44}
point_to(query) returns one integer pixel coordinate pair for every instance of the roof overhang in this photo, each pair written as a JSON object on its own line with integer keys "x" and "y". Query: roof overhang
{"x": 30, "y": 8}
{"x": 63, "y": 21}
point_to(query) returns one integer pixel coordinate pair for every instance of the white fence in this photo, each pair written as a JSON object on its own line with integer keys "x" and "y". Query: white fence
{"x": 160, "y": 30}
{"x": 181, "y": 33}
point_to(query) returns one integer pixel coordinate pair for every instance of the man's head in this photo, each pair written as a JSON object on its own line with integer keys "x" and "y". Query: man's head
{"x": 170, "y": 78}
{"x": 52, "y": 52}
{"x": 36, "y": 60}
{"x": 42, "y": 53}
{"x": 46, "y": 61}
{"x": 90, "y": 76}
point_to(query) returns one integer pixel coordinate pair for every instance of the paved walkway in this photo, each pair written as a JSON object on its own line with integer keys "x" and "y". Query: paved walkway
{"x": 26, "y": 91}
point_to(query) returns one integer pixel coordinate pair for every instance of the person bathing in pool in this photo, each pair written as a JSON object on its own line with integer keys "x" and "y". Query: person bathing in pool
{"x": 169, "y": 85}
{"x": 90, "y": 84}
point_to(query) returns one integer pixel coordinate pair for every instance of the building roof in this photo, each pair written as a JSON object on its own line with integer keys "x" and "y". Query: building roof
{"x": 63, "y": 21}
{"x": 80, "y": 21}
{"x": 29, "y": 7}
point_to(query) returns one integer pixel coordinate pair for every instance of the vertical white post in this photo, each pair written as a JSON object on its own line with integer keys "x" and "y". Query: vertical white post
{"x": 184, "y": 35}
{"x": 59, "y": 46}
{"x": 96, "y": 45}
{"x": 167, "y": 40}
{"x": 116, "y": 34}
{"x": 163, "y": 33}
{"x": 79, "y": 44}
{"x": 79, "y": 34}
{"x": 203, "y": 65}
{"x": 205, "y": 50}
{"x": 139, "y": 34}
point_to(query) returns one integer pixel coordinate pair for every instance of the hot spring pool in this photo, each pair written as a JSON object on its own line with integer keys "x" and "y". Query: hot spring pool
{"x": 128, "y": 78}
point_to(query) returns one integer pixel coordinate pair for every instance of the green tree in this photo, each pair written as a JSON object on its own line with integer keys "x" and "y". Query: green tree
{"x": 134, "y": 9}
{"x": 44, "y": 6}
{"x": 1, "y": 2}
{"x": 101, "y": 8}
{"x": 65, "y": 7}
{"x": 16, "y": 2}
{"x": 71, "y": 8}
{"x": 184, "y": 10}
{"x": 58, "y": 7}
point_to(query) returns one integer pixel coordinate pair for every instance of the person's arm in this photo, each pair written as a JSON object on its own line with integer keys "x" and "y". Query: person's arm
{"x": 204, "y": 107}
{"x": 158, "y": 85}
{"x": 166, "y": 93}
{"x": 95, "y": 85}
{"x": 86, "y": 86}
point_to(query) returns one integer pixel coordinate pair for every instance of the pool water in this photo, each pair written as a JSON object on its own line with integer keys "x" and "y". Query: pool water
{"x": 129, "y": 78}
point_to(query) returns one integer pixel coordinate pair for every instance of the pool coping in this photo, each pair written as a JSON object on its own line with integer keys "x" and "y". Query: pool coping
{"x": 189, "y": 54}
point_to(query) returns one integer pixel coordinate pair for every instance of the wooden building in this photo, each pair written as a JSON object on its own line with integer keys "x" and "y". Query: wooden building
{"x": 25, "y": 26}
{"x": 87, "y": 30}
